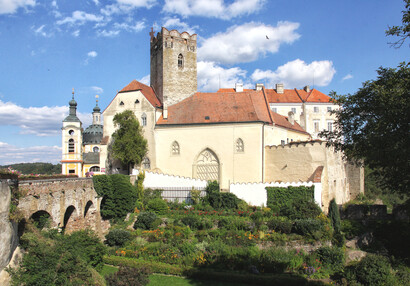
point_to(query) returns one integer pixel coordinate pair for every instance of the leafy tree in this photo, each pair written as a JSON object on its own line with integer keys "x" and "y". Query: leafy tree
{"x": 334, "y": 215}
{"x": 372, "y": 127}
{"x": 403, "y": 31}
{"x": 129, "y": 144}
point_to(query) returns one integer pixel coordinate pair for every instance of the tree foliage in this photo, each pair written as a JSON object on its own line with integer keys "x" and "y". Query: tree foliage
{"x": 129, "y": 145}
{"x": 403, "y": 31}
{"x": 35, "y": 168}
{"x": 372, "y": 127}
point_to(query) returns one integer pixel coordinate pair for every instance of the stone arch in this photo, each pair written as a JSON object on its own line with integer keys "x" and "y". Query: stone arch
{"x": 207, "y": 166}
{"x": 41, "y": 219}
{"x": 70, "y": 219}
{"x": 89, "y": 215}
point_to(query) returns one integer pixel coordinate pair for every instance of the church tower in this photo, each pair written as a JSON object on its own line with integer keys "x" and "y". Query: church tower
{"x": 173, "y": 66}
{"x": 72, "y": 142}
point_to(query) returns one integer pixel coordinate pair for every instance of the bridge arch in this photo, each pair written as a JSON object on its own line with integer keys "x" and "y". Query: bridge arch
{"x": 41, "y": 219}
{"x": 70, "y": 219}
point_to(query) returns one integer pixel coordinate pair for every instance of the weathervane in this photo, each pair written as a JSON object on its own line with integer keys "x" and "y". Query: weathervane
{"x": 73, "y": 92}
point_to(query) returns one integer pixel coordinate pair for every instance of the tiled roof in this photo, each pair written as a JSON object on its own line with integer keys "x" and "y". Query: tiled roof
{"x": 288, "y": 96}
{"x": 317, "y": 96}
{"x": 147, "y": 91}
{"x": 225, "y": 107}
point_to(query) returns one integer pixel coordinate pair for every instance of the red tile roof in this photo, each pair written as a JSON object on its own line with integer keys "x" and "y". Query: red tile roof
{"x": 317, "y": 96}
{"x": 288, "y": 96}
{"x": 225, "y": 107}
{"x": 147, "y": 91}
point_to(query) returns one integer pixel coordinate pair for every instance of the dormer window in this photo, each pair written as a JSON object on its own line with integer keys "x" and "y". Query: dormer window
{"x": 180, "y": 61}
{"x": 121, "y": 103}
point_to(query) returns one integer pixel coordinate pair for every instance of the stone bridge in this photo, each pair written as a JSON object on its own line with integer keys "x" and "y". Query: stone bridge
{"x": 70, "y": 203}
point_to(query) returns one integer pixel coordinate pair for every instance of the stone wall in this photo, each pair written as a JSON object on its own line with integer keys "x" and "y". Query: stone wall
{"x": 8, "y": 230}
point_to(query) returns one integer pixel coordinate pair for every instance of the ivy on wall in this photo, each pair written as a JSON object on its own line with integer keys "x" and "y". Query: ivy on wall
{"x": 279, "y": 197}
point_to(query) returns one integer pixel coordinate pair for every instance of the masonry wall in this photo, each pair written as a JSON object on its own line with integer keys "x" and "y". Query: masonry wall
{"x": 296, "y": 162}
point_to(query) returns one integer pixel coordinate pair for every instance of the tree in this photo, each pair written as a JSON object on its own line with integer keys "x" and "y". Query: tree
{"x": 129, "y": 145}
{"x": 372, "y": 127}
{"x": 402, "y": 31}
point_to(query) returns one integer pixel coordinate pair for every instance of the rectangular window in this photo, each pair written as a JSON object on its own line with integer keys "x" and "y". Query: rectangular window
{"x": 329, "y": 126}
{"x": 282, "y": 142}
{"x": 316, "y": 125}
{"x": 274, "y": 109}
{"x": 293, "y": 110}
{"x": 71, "y": 171}
{"x": 316, "y": 109}
{"x": 329, "y": 109}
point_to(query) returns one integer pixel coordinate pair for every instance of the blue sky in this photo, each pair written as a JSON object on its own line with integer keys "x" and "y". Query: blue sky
{"x": 98, "y": 47}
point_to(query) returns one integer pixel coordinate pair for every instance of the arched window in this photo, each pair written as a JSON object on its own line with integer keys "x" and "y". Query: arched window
{"x": 180, "y": 61}
{"x": 240, "y": 148}
{"x": 94, "y": 169}
{"x": 71, "y": 147}
{"x": 146, "y": 164}
{"x": 206, "y": 166}
{"x": 175, "y": 148}
{"x": 144, "y": 119}
{"x": 96, "y": 149}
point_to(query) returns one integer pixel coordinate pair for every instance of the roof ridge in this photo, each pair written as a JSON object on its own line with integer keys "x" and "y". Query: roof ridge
{"x": 267, "y": 104}
{"x": 297, "y": 92}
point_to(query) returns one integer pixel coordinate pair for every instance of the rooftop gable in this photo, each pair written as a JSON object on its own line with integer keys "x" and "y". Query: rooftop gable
{"x": 146, "y": 90}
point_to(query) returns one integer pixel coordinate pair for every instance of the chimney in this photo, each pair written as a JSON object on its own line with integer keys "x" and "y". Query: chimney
{"x": 307, "y": 88}
{"x": 291, "y": 117}
{"x": 239, "y": 87}
{"x": 279, "y": 88}
{"x": 259, "y": 86}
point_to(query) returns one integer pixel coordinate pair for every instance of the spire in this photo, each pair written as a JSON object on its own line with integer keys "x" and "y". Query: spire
{"x": 96, "y": 108}
{"x": 72, "y": 116}
{"x": 96, "y": 113}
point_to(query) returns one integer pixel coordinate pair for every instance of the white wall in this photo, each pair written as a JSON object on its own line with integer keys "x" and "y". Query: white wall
{"x": 158, "y": 181}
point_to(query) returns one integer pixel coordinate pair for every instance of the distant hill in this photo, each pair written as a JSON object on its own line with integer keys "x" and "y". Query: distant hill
{"x": 35, "y": 168}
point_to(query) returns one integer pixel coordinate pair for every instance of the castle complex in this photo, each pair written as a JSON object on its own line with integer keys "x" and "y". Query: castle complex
{"x": 234, "y": 135}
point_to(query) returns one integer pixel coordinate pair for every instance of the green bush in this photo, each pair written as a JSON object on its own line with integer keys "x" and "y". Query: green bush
{"x": 117, "y": 237}
{"x": 280, "y": 224}
{"x": 222, "y": 200}
{"x": 300, "y": 209}
{"x": 195, "y": 222}
{"x": 371, "y": 270}
{"x": 332, "y": 257}
{"x": 278, "y": 197}
{"x": 195, "y": 196}
{"x": 308, "y": 227}
{"x": 158, "y": 206}
{"x": 146, "y": 220}
{"x": 278, "y": 260}
{"x": 334, "y": 215}
{"x": 129, "y": 276}
{"x": 212, "y": 187}
{"x": 150, "y": 194}
{"x": 352, "y": 228}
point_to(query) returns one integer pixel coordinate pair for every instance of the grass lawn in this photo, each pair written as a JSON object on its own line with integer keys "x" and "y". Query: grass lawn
{"x": 159, "y": 280}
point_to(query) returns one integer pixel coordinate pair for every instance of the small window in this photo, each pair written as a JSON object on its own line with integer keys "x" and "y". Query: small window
{"x": 293, "y": 110}
{"x": 121, "y": 103}
{"x": 316, "y": 109}
{"x": 71, "y": 132}
{"x": 274, "y": 109}
{"x": 96, "y": 149}
{"x": 240, "y": 148}
{"x": 94, "y": 169}
{"x": 146, "y": 164}
{"x": 316, "y": 126}
{"x": 71, "y": 147}
{"x": 329, "y": 126}
{"x": 180, "y": 61}
{"x": 71, "y": 171}
{"x": 144, "y": 119}
{"x": 175, "y": 148}
{"x": 329, "y": 109}
{"x": 137, "y": 101}
{"x": 282, "y": 142}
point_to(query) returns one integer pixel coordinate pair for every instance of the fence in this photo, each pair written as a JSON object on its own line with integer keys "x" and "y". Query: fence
{"x": 180, "y": 194}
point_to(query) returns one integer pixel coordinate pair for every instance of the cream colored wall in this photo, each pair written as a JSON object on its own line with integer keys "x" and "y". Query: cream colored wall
{"x": 285, "y": 108}
{"x": 323, "y": 116}
{"x": 221, "y": 139}
{"x": 297, "y": 162}
{"x": 275, "y": 134}
{"x": 144, "y": 106}
{"x": 76, "y": 156}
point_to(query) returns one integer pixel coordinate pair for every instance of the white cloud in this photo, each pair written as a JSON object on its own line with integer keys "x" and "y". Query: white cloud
{"x": 145, "y": 80}
{"x": 96, "y": 2}
{"x": 297, "y": 73}
{"x": 346, "y": 77}
{"x": 41, "y": 31}
{"x": 39, "y": 121}
{"x": 97, "y": 89}
{"x": 80, "y": 17}
{"x": 92, "y": 54}
{"x": 212, "y": 76}
{"x": 175, "y": 23}
{"x": 54, "y": 4}
{"x": 76, "y": 33}
{"x": 213, "y": 8}
{"x": 10, "y": 154}
{"x": 11, "y": 6}
{"x": 105, "y": 33}
{"x": 118, "y": 27}
{"x": 247, "y": 42}
{"x": 138, "y": 3}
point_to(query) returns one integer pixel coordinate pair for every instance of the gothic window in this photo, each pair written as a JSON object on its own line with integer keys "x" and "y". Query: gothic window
{"x": 96, "y": 149}
{"x": 94, "y": 169}
{"x": 240, "y": 148}
{"x": 206, "y": 166}
{"x": 144, "y": 119}
{"x": 146, "y": 164}
{"x": 180, "y": 61}
{"x": 175, "y": 148}
{"x": 71, "y": 147}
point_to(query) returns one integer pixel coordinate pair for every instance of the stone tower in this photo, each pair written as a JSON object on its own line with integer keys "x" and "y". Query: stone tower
{"x": 72, "y": 142}
{"x": 173, "y": 66}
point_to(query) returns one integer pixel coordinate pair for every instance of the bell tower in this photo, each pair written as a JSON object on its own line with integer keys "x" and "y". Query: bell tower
{"x": 173, "y": 66}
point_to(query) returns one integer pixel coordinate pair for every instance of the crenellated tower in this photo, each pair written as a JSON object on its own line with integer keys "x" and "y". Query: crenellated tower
{"x": 173, "y": 66}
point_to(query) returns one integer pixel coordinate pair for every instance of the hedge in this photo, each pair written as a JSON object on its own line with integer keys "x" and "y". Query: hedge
{"x": 278, "y": 197}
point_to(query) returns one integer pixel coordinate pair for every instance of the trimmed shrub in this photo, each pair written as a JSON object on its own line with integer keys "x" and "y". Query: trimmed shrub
{"x": 146, "y": 220}
{"x": 150, "y": 194}
{"x": 332, "y": 257}
{"x": 300, "y": 209}
{"x": 280, "y": 224}
{"x": 223, "y": 200}
{"x": 308, "y": 227}
{"x": 129, "y": 276}
{"x": 371, "y": 270}
{"x": 212, "y": 187}
{"x": 158, "y": 206}
{"x": 334, "y": 215}
{"x": 278, "y": 197}
{"x": 117, "y": 237}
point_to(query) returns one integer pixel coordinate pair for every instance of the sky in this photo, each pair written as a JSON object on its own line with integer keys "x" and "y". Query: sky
{"x": 97, "y": 47}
